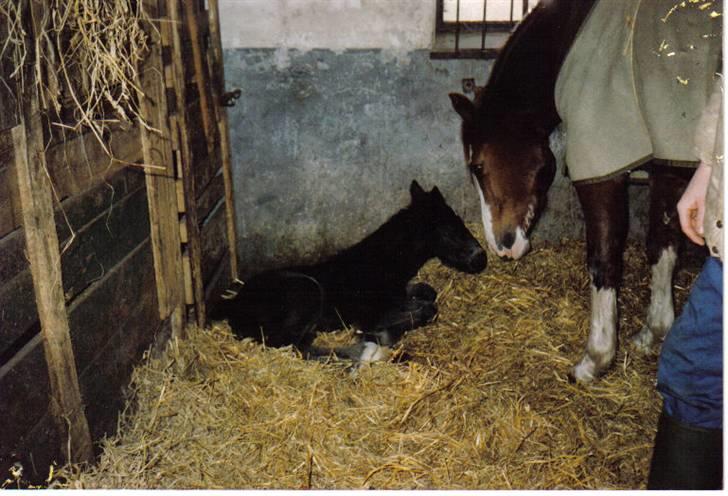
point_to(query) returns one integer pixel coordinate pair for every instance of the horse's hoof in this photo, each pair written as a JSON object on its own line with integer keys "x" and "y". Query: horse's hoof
{"x": 577, "y": 377}
{"x": 643, "y": 341}
{"x": 584, "y": 372}
{"x": 570, "y": 377}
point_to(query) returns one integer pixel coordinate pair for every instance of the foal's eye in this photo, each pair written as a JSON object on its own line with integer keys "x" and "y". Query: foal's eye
{"x": 476, "y": 168}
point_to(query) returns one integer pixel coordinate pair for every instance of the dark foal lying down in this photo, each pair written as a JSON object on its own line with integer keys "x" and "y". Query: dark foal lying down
{"x": 365, "y": 286}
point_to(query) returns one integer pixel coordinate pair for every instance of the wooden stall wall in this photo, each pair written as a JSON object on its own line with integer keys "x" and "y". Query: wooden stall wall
{"x": 138, "y": 244}
{"x": 204, "y": 143}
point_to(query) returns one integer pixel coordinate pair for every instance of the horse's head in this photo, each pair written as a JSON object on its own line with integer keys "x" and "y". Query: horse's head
{"x": 512, "y": 166}
{"x": 449, "y": 239}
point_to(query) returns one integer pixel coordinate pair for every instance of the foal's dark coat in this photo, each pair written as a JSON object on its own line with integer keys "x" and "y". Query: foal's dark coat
{"x": 365, "y": 286}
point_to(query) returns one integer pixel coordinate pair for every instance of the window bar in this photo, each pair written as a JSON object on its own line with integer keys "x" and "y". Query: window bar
{"x": 457, "y": 26}
{"x": 485, "y": 25}
{"x": 525, "y": 9}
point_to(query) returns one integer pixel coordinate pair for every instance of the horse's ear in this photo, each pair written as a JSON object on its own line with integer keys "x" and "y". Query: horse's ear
{"x": 435, "y": 193}
{"x": 463, "y": 106}
{"x": 416, "y": 191}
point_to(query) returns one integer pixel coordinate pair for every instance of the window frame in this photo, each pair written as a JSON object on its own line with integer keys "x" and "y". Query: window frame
{"x": 483, "y": 27}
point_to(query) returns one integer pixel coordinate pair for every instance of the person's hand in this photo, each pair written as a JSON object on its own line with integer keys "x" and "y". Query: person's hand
{"x": 691, "y": 207}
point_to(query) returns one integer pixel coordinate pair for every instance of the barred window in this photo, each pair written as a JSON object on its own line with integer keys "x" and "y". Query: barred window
{"x": 476, "y": 28}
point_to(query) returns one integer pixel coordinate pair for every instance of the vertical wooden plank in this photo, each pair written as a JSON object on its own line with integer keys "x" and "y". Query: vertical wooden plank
{"x": 193, "y": 228}
{"x": 200, "y": 78}
{"x": 187, "y": 267}
{"x": 42, "y": 245}
{"x": 222, "y": 122}
{"x": 161, "y": 185}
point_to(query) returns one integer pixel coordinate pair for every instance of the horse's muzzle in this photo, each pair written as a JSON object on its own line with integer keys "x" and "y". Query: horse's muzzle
{"x": 513, "y": 247}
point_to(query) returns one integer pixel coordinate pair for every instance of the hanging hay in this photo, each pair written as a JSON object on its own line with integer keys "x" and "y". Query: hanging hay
{"x": 482, "y": 401}
{"x": 86, "y": 59}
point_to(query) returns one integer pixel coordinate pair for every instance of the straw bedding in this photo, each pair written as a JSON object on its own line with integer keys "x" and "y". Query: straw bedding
{"x": 478, "y": 399}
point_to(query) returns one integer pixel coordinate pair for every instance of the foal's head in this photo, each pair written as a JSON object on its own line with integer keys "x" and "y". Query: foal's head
{"x": 445, "y": 232}
{"x": 510, "y": 162}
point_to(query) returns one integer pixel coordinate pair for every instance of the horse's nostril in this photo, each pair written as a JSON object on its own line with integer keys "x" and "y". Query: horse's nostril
{"x": 508, "y": 239}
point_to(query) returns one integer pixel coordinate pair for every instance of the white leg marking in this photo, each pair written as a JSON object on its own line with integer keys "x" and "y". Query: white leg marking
{"x": 661, "y": 313}
{"x": 374, "y": 353}
{"x": 602, "y": 342}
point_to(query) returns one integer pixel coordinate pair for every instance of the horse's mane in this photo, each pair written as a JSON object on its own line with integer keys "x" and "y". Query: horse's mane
{"x": 524, "y": 74}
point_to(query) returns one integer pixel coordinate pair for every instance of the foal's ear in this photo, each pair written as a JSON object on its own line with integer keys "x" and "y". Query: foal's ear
{"x": 463, "y": 106}
{"x": 416, "y": 191}
{"x": 435, "y": 193}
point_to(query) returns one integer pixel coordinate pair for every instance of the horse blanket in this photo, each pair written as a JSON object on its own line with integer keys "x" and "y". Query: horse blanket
{"x": 634, "y": 83}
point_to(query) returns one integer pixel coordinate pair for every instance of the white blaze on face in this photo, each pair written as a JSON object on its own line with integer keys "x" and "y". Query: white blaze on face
{"x": 487, "y": 219}
{"x": 520, "y": 245}
{"x": 602, "y": 342}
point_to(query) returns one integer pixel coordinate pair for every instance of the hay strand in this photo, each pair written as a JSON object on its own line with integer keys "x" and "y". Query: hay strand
{"x": 87, "y": 54}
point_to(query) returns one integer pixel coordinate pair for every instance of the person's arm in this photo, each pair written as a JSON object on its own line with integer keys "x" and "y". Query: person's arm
{"x": 708, "y": 144}
{"x": 691, "y": 207}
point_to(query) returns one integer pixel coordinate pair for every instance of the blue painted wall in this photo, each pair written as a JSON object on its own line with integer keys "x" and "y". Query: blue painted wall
{"x": 325, "y": 144}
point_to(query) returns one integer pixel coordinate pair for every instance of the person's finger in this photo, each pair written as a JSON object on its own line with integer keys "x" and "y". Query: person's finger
{"x": 688, "y": 219}
{"x": 699, "y": 219}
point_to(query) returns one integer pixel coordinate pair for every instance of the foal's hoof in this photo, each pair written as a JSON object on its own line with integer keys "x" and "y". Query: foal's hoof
{"x": 372, "y": 352}
{"x": 421, "y": 291}
{"x": 429, "y": 312}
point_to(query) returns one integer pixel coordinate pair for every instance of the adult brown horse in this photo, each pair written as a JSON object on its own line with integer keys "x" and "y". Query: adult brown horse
{"x": 506, "y": 129}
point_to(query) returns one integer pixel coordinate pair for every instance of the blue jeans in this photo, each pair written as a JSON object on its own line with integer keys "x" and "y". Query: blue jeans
{"x": 690, "y": 370}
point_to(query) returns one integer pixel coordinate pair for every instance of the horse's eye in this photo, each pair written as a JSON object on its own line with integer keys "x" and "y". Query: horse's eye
{"x": 476, "y": 168}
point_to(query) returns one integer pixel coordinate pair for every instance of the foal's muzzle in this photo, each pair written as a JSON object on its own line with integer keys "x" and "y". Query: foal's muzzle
{"x": 477, "y": 261}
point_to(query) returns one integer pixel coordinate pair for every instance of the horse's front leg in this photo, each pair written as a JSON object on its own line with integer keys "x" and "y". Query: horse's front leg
{"x": 663, "y": 242}
{"x": 605, "y": 214}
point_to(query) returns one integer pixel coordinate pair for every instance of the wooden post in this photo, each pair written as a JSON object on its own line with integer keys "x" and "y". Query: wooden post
{"x": 42, "y": 246}
{"x": 41, "y": 241}
{"x": 161, "y": 187}
{"x": 188, "y": 179}
{"x": 222, "y": 123}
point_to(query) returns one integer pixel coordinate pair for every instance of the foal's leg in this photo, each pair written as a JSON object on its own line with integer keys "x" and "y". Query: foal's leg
{"x": 663, "y": 241}
{"x": 363, "y": 351}
{"x": 605, "y": 214}
{"x": 410, "y": 315}
{"x": 421, "y": 291}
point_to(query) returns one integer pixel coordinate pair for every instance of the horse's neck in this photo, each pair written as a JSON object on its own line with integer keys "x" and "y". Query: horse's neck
{"x": 524, "y": 76}
{"x": 399, "y": 245}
